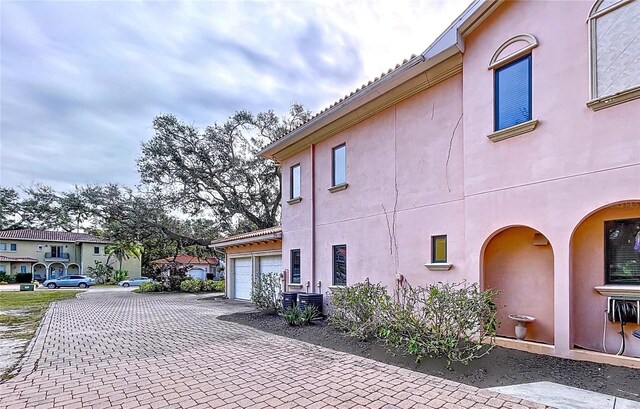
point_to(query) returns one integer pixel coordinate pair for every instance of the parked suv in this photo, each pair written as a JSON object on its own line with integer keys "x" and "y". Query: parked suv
{"x": 69, "y": 281}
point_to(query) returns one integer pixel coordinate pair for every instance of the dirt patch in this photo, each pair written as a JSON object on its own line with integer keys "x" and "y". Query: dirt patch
{"x": 500, "y": 368}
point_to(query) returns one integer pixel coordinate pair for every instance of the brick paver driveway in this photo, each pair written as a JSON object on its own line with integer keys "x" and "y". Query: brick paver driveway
{"x": 125, "y": 350}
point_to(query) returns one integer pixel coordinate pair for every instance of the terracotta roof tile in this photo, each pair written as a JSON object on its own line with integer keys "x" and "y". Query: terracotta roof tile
{"x": 48, "y": 235}
{"x": 18, "y": 259}
{"x": 248, "y": 235}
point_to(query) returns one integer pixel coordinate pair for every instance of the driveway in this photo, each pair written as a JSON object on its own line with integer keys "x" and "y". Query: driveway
{"x": 126, "y": 350}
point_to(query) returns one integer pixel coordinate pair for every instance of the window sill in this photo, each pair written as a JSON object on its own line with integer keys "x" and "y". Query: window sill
{"x": 438, "y": 266}
{"x": 615, "y": 99}
{"x": 512, "y": 131}
{"x": 294, "y": 200}
{"x": 618, "y": 290}
{"x": 336, "y": 287}
{"x": 338, "y": 188}
{"x": 294, "y": 286}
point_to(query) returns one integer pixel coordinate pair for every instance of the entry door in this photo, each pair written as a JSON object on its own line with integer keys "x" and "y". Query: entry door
{"x": 242, "y": 273}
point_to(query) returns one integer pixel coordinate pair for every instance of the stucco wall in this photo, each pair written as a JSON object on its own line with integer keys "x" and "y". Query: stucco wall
{"x": 574, "y": 162}
{"x": 406, "y": 145}
{"x": 587, "y": 262}
{"x": 523, "y": 273}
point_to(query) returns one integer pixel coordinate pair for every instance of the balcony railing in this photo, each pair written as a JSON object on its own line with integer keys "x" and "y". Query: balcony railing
{"x": 56, "y": 256}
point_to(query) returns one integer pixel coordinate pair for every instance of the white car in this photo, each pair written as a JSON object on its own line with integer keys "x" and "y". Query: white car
{"x": 135, "y": 282}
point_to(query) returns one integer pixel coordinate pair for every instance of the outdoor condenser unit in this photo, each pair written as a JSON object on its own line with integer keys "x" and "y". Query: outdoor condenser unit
{"x": 623, "y": 309}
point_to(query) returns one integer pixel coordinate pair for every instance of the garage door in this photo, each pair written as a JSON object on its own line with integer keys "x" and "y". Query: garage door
{"x": 270, "y": 264}
{"x": 242, "y": 285}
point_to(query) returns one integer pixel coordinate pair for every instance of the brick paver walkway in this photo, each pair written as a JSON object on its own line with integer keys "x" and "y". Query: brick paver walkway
{"x": 126, "y": 350}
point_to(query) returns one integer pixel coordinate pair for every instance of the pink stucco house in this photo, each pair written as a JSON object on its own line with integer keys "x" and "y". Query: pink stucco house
{"x": 507, "y": 153}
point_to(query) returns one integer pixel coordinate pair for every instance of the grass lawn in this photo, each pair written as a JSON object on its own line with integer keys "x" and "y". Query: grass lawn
{"x": 21, "y": 312}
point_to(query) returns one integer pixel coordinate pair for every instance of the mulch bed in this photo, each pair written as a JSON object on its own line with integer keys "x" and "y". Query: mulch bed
{"x": 501, "y": 367}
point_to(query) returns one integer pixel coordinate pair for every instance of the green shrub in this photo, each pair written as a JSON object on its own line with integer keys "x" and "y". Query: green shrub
{"x": 119, "y": 275}
{"x": 309, "y": 314}
{"x": 191, "y": 285}
{"x": 213, "y": 285}
{"x": 266, "y": 294}
{"x": 153, "y": 287}
{"x": 23, "y": 278}
{"x": 449, "y": 320}
{"x": 293, "y": 316}
{"x": 4, "y": 277}
{"x": 357, "y": 309}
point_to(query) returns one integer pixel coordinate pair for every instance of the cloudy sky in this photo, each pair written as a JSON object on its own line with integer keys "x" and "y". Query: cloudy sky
{"x": 81, "y": 81}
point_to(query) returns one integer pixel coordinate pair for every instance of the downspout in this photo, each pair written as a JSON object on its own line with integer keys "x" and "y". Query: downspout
{"x": 313, "y": 218}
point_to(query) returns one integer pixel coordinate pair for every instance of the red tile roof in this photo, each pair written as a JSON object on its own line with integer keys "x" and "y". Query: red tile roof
{"x": 187, "y": 259}
{"x": 18, "y": 259}
{"x": 48, "y": 235}
{"x": 257, "y": 234}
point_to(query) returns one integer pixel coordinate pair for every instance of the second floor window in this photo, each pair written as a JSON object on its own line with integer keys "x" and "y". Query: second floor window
{"x": 295, "y": 266}
{"x": 339, "y": 173}
{"x": 3, "y": 246}
{"x": 96, "y": 250}
{"x": 295, "y": 182}
{"x": 340, "y": 265}
{"x": 512, "y": 93}
{"x": 13, "y": 247}
{"x": 615, "y": 49}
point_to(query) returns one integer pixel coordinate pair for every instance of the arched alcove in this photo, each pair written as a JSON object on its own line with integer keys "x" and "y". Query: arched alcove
{"x": 518, "y": 261}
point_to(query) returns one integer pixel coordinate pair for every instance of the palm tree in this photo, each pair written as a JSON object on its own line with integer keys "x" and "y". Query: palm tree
{"x": 123, "y": 251}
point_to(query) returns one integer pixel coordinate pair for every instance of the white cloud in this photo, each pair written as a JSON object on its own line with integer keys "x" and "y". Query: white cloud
{"x": 82, "y": 81}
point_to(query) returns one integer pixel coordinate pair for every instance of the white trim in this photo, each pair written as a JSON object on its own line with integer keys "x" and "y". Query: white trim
{"x": 247, "y": 240}
{"x": 439, "y": 266}
{"x": 512, "y": 131}
{"x": 496, "y": 62}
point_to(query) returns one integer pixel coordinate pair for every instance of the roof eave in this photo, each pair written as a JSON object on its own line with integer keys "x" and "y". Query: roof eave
{"x": 451, "y": 41}
{"x": 247, "y": 240}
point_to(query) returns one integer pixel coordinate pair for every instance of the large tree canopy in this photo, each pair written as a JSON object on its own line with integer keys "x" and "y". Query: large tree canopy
{"x": 217, "y": 170}
{"x": 197, "y": 184}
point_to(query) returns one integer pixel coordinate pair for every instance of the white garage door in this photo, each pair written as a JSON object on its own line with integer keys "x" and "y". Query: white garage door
{"x": 270, "y": 264}
{"x": 242, "y": 272}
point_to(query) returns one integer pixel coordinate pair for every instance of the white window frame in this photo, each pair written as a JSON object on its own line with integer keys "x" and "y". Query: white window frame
{"x": 600, "y": 102}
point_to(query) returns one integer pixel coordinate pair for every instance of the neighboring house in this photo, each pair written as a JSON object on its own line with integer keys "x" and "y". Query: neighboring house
{"x": 51, "y": 254}
{"x": 508, "y": 154}
{"x": 202, "y": 268}
{"x": 248, "y": 255}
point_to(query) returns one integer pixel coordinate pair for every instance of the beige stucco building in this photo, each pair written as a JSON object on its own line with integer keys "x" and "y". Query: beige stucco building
{"x": 51, "y": 254}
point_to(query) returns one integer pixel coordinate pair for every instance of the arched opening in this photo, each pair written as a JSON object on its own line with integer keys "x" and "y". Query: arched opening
{"x": 73, "y": 269}
{"x": 518, "y": 261}
{"x": 605, "y": 251}
{"x": 56, "y": 270}
{"x": 39, "y": 272}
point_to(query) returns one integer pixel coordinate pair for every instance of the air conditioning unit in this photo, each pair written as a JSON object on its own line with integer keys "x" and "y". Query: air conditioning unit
{"x": 623, "y": 309}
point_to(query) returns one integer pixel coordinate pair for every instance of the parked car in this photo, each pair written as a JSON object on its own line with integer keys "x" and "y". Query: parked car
{"x": 69, "y": 281}
{"x": 136, "y": 281}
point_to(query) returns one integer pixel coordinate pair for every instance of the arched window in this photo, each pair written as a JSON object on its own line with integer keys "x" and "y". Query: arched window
{"x": 513, "y": 87}
{"x": 615, "y": 52}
